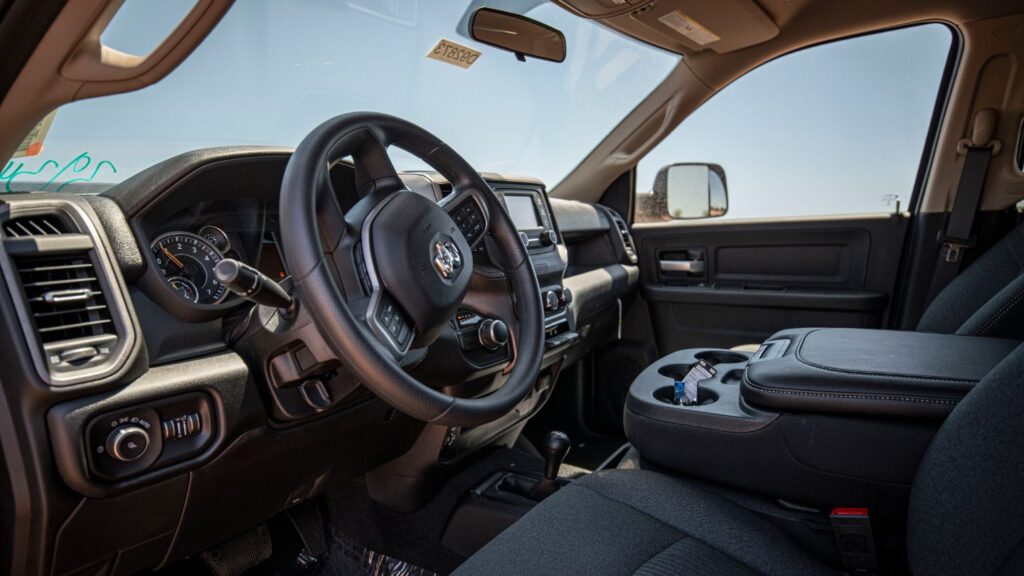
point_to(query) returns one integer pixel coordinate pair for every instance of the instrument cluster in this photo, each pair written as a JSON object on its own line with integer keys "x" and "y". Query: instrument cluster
{"x": 186, "y": 261}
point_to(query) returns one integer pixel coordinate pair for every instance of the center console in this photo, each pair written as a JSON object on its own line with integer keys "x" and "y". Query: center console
{"x": 817, "y": 416}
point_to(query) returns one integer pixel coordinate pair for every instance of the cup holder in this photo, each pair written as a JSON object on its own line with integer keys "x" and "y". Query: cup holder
{"x": 714, "y": 357}
{"x": 675, "y": 370}
{"x": 734, "y": 376}
{"x": 667, "y": 394}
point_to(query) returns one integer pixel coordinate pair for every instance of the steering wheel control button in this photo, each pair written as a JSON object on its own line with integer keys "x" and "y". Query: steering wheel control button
{"x": 128, "y": 443}
{"x": 470, "y": 220}
{"x": 493, "y": 334}
{"x": 392, "y": 321}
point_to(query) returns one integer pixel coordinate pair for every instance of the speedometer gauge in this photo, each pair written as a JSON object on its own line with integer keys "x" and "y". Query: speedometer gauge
{"x": 186, "y": 260}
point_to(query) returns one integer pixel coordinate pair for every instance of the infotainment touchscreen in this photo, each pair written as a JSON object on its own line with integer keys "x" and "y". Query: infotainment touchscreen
{"x": 521, "y": 209}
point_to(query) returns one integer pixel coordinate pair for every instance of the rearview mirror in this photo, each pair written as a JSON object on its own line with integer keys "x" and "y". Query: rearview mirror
{"x": 692, "y": 190}
{"x": 518, "y": 34}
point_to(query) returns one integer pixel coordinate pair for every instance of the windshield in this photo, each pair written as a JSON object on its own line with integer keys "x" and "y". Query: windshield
{"x": 272, "y": 70}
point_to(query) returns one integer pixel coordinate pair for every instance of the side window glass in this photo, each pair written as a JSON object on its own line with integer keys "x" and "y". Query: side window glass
{"x": 833, "y": 129}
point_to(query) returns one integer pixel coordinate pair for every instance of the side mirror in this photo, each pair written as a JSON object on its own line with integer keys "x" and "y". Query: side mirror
{"x": 691, "y": 190}
{"x": 518, "y": 34}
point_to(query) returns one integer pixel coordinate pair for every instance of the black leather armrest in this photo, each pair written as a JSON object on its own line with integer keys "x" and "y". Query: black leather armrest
{"x": 873, "y": 372}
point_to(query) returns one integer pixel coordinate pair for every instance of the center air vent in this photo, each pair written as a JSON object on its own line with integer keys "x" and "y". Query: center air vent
{"x": 39, "y": 225}
{"x": 65, "y": 298}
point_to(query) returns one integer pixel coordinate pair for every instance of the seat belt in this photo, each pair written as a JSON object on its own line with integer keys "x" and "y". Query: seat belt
{"x": 956, "y": 238}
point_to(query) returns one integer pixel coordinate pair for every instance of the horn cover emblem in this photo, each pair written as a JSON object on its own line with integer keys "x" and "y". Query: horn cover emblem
{"x": 447, "y": 259}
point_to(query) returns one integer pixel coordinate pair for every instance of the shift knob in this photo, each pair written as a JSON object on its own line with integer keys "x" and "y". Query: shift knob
{"x": 556, "y": 447}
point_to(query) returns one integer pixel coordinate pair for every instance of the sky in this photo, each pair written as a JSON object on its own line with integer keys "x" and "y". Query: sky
{"x": 832, "y": 129}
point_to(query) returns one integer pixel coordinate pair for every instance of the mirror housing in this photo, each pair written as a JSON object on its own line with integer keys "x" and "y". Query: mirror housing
{"x": 518, "y": 34}
{"x": 691, "y": 190}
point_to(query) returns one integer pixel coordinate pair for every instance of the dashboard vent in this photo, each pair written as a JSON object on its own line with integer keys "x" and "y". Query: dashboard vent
{"x": 64, "y": 297}
{"x": 627, "y": 239}
{"x": 446, "y": 189}
{"x": 32, "y": 226}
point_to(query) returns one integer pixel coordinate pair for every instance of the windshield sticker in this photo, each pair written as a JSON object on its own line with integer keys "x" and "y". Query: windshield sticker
{"x": 453, "y": 53}
{"x": 689, "y": 27}
{"x": 32, "y": 145}
{"x": 81, "y": 169}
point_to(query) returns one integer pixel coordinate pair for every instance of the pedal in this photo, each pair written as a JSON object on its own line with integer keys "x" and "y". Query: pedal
{"x": 310, "y": 527}
{"x": 240, "y": 555}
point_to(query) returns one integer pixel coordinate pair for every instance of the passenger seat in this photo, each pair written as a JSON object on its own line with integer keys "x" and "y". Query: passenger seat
{"x": 986, "y": 299}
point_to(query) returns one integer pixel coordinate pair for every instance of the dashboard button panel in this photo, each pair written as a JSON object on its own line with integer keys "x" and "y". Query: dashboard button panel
{"x": 133, "y": 440}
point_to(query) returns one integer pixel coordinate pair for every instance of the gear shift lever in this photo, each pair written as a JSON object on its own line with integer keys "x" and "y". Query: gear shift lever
{"x": 556, "y": 447}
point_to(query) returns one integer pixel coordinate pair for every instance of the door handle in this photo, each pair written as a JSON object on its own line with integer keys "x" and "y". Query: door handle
{"x": 687, "y": 266}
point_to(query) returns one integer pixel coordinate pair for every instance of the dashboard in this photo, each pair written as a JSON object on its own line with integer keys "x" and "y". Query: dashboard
{"x": 154, "y": 388}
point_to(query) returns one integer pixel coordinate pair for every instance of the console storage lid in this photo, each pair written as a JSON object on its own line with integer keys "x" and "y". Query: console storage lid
{"x": 869, "y": 372}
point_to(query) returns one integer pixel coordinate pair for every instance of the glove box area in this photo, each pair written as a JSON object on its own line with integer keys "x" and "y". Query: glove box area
{"x": 822, "y": 417}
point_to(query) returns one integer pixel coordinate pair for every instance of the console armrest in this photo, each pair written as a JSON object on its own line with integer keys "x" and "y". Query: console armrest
{"x": 869, "y": 372}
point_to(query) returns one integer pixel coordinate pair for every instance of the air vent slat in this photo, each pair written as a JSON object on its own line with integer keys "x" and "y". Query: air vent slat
{"x": 93, "y": 308}
{"x": 65, "y": 298}
{"x": 59, "y": 282}
{"x": 55, "y": 268}
{"x": 38, "y": 225}
{"x": 73, "y": 326}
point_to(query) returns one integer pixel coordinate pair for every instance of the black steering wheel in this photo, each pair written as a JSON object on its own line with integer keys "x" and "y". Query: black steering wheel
{"x": 382, "y": 288}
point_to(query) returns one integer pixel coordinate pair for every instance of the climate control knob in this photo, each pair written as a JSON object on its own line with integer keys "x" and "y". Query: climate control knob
{"x": 549, "y": 238}
{"x": 128, "y": 443}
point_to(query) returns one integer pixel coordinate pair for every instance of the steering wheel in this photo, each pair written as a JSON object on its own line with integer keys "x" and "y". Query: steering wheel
{"x": 382, "y": 279}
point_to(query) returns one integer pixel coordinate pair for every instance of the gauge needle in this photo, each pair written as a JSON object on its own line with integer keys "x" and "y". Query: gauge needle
{"x": 172, "y": 257}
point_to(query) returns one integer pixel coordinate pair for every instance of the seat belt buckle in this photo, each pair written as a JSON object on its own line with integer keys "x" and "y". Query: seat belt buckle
{"x": 953, "y": 248}
{"x": 854, "y": 539}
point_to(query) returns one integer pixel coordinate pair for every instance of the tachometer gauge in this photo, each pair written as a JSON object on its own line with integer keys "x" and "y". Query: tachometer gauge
{"x": 186, "y": 261}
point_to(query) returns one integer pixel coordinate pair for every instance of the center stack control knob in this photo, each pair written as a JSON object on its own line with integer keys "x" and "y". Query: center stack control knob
{"x": 493, "y": 334}
{"x": 551, "y": 300}
{"x": 127, "y": 443}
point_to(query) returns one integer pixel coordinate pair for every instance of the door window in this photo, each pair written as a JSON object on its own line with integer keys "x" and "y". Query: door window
{"x": 837, "y": 128}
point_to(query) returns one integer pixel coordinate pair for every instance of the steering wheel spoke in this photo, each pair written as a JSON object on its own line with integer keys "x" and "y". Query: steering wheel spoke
{"x": 374, "y": 172}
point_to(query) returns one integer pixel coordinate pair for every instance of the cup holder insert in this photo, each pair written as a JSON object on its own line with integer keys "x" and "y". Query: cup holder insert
{"x": 714, "y": 357}
{"x": 667, "y": 394}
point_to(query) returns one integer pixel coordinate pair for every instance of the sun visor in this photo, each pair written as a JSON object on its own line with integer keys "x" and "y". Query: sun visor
{"x": 684, "y": 26}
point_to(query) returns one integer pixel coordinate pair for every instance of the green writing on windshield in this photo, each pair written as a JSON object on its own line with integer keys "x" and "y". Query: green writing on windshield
{"x": 81, "y": 169}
